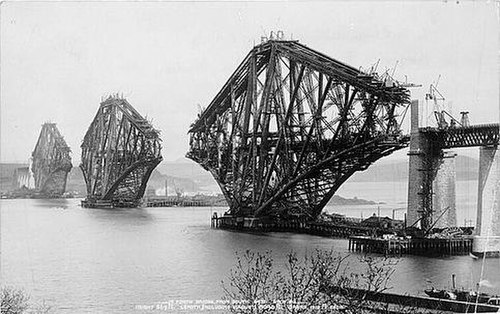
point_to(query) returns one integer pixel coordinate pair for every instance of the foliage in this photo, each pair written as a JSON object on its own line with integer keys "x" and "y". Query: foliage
{"x": 13, "y": 301}
{"x": 16, "y": 301}
{"x": 321, "y": 282}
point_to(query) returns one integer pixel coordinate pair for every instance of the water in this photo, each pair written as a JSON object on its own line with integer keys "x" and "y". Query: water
{"x": 394, "y": 195}
{"x": 102, "y": 261}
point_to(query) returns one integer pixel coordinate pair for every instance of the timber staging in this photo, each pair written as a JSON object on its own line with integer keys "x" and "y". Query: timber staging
{"x": 361, "y": 239}
{"x": 414, "y": 246}
{"x": 297, "y": 226}
{"x": 109, "y": 204}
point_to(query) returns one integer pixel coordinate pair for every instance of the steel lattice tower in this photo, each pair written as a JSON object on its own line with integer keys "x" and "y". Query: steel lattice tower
{"x": 119, "y": 152}
{"x": 291, "y": 125}
{"x": 51, "y": 162}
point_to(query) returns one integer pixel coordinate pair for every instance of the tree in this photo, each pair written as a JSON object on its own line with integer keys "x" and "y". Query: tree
{"x": 321, "y": 282}
{"x": 13, "y": 301}
{"x": 16, "y": 301}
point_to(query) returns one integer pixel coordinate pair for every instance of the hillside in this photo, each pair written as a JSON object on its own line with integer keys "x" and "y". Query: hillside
{"x": 466, "y": 169}
{"x": 382, "y": 171}
{"x": 187, "y": 176}
{"x": 185, "y": 168}
{"x": 76, "y": 182}
{"x": 6, "y": 174}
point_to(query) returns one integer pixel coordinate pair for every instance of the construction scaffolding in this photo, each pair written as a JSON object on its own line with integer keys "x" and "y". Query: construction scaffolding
{"x": 51, "y": 162}
{"x": 119, "y": 152}
{"x": 291, "y": 125}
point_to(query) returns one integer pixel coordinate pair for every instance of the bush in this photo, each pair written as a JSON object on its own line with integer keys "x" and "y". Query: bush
{"x": 321, "y": 282}
{"x": 16, "y": 301}
{"x": 13, "y": 301}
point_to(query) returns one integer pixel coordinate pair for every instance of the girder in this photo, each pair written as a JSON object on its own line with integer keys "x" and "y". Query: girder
{"x": 469, "y": 136}
{"x": 119, "y": 152}
{"x": 291, "y": 125}
{"x": 51, "y": 161}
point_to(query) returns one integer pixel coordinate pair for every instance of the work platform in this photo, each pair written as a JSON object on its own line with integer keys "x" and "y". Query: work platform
{"x": 424, "y": 247}
{"x": 107, "y": 204}
{"x": 182, "y": 203}
{"x": 361, "y": 238}
{"x": 296, "y": 226}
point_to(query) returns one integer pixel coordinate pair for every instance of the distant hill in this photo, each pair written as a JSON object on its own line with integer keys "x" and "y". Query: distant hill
{"x": 466, "y": 169}
{"x": 187, "y": 176}
{"x": 186, "y": 168}
{"x": 382, "y": 171}
{"x": 76, "y": 182}
{"x": 339, "y": 200}
{"x": 174, "y": 183}
{"x": 6, "y": 174}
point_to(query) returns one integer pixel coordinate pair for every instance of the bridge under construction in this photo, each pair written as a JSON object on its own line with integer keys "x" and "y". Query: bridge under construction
{"x": 432, "y": 176}
{"x": 119, "y": 152}
{"x": 51, "y": 162}
{"x": 291, "y": 125}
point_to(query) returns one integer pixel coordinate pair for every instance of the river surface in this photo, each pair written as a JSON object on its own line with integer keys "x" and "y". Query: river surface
{"x": 82, "y": 260}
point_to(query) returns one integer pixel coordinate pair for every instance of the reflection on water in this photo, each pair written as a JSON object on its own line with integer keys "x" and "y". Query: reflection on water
{"x": 394, "y": 195}
{"x": 120, "y": 215}
{"x": 53, "y": 203}
{"x": 93, "y": 260}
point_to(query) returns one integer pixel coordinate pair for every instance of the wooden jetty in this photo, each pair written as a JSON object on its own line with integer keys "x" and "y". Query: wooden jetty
{"x": 360, "y": 239}
{"x": 410, "y": 304}
{"x": 97, "y": 203}
{"x": 174, "y": 203}
{"x": 296, "y": 226}
{"x": 108, "y": 204}
{"x": 184, "y": 202}
{"x": 412, "y": 246}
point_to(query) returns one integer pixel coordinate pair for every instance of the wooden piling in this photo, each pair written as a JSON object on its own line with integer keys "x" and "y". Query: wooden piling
{"x": 399, "y": 246}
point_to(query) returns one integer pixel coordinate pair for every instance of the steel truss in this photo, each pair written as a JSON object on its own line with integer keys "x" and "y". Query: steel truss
{"x": 469, "y": 136}
{"x": 51, "y": 161}
{"x": 290, "y": 126}
{"x": 119, "y": 152}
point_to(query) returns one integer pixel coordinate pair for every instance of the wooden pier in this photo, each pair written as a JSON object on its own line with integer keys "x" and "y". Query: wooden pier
{"x": 360, "y": 239}
{"x": 425, "y": 246}
{"x": 411, "y": 304}
{"x": 315, "y": 228}
{"x": 177, "y": 203}
{"x": 108, "y": 204}
{"x": 182, "y": 203}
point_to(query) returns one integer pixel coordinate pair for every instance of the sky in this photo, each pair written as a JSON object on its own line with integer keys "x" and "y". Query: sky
{"x": 59, "y": 59}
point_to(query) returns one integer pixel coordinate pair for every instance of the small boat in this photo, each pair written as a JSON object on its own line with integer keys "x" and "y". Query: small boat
{"x": 440, "y": 294}
{"x": 472, "y": 296}
{"x": 463, "y": 295}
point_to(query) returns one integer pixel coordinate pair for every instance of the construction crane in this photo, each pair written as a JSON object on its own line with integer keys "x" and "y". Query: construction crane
{"x": 440, "y": 114}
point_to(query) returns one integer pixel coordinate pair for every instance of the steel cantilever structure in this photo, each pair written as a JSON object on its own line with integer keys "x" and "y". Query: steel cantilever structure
{"x": 51, "y": 162}
{"x": 119, "y": 152}
{"x": 290, "y": 126}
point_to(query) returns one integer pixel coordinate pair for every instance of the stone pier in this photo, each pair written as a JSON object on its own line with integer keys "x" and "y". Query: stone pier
{"x": 415, "y": 174}
{"x": 431, "y": 185}
{"x": 487, "y": 239}
{"x": 444, "y": 204}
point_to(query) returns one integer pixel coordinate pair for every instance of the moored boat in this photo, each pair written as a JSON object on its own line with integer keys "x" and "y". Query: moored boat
{"x": 462, "y": 295}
